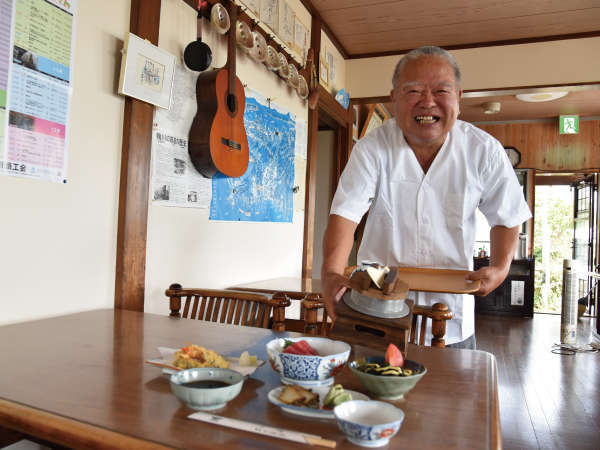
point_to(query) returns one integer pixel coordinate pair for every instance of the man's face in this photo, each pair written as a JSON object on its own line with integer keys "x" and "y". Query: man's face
{"x": 426, "y": 101}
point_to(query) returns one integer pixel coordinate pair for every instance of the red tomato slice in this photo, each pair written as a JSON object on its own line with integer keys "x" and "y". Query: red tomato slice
{"x": 393, "y": 356}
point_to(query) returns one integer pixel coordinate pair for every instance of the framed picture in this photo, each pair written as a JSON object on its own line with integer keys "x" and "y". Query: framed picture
{"x": 269, "y": 14}
{"x": 286, "y": 23}
{"x": 324, "y": 73}
{"x": 253, "y": 6}
{"x": 375, "y": 118}
{"x": 146, "y": 72}
{"x": 301, "y": 38}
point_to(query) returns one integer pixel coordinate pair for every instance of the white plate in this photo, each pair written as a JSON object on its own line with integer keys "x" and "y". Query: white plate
{"x": 311, "y": 412}
{"x": 168, "y": 354}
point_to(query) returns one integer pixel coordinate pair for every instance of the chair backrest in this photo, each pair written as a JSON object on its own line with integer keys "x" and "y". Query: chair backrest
{"x": 439, "y": 314}
{"x": 231, "y": 307}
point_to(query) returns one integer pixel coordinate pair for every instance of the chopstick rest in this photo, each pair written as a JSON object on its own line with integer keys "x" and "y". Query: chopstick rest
{"x": 280, "y": 433}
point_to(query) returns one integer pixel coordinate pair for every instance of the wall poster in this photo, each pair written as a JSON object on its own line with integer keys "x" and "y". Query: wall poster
{"x": 40, "y": 37}
{"x": 175, "y": 181}
{"x": 5, "y": 37}
{"x": 265, "y": 192}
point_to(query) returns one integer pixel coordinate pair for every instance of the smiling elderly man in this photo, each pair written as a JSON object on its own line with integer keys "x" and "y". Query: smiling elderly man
{"x": 421, "y": 177}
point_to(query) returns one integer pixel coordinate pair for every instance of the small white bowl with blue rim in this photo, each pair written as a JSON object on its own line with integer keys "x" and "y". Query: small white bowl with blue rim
{"x": 368, "y": 423}
{"x": 206, "y": 388}
{"x": 308, "y": 370}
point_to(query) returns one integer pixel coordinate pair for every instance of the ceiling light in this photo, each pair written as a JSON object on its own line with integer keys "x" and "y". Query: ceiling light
{"x": 541, "y": 96}
{"x": 491, "y": 107}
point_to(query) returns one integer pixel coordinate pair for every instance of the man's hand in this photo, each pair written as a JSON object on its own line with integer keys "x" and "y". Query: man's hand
{"x": 503, "y": 245}
{"x": 491, "y": 277}
{"x": 334, "y": 286}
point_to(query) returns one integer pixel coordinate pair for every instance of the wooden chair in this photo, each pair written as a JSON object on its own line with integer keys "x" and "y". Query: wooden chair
{"x": 231, "y": 307}
{"x": 439, "y": 314}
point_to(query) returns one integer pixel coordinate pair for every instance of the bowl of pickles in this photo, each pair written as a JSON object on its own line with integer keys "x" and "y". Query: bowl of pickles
{"x": 385, "y": 380}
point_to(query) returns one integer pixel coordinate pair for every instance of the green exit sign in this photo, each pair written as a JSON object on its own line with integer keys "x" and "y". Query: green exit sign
{"x": 569, "y": 124}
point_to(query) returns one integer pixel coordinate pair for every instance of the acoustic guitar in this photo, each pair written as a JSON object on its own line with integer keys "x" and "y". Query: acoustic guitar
{"x": 217, "y": 138}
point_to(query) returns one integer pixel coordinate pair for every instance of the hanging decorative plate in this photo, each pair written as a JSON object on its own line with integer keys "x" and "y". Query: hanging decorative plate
{"x": 302, "y": 88}
{"x": 272, "y": 59}
{"x": 284, "y": 68}
{"x": 259, "y": 50}
{"x": 243, "y": 35}
{"x": 293, "y": 76}
{"x": 220, "y": 18}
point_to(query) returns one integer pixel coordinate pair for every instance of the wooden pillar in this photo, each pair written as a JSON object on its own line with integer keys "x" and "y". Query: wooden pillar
{"x": 311, "y": 164}
{"x": 135, "y": 176}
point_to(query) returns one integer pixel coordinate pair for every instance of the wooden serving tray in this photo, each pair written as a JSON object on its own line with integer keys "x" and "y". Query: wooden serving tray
{"x": 438, "y": 280}
{"x": 423, "y": 279}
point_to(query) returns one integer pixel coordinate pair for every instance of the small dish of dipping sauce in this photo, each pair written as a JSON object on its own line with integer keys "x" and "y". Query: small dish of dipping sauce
{"x": 206, "y": 388}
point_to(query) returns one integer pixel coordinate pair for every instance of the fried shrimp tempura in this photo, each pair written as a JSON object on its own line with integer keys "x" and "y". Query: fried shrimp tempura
{"x": 193, "y": 356}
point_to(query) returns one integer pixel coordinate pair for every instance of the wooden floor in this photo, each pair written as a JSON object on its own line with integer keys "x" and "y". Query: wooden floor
{"x": 547, "y": 401}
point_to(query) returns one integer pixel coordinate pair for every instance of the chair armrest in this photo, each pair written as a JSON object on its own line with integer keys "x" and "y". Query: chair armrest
{"x": 311, "y": 306}
{"x": 438, "y": 313}
{"x": 279, "y": 302}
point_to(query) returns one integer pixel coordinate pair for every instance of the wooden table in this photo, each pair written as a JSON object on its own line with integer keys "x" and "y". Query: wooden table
{"x": 80, "y": 380}
{"x": 296, "y": 288}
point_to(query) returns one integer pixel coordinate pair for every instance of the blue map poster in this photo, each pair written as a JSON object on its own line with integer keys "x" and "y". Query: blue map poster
{"x": 264, "y": 193}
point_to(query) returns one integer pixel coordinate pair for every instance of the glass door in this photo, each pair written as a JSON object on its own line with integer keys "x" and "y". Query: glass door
{"x": 584, "y": 236}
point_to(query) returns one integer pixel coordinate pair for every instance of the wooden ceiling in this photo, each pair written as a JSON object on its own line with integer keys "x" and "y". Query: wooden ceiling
{"x": 583, "y": 102}
{"x": 384, "y": 27}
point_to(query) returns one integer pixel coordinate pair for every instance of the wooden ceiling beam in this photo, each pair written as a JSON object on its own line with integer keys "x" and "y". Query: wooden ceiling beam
{"x": 315, "y": 14}
{"x": 555, "y": 180}
{"x": 534, "y": 40}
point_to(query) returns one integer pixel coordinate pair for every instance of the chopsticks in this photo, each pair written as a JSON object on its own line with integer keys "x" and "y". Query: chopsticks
{"x": 280, "y": 433}
{"x": 158, "y": 364}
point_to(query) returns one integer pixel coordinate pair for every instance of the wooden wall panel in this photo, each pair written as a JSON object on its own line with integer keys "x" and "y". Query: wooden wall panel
{"x": 542, "y": 148}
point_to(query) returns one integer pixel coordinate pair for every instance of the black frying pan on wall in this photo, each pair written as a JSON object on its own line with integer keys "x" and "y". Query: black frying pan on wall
{"x": 198, "y": 55}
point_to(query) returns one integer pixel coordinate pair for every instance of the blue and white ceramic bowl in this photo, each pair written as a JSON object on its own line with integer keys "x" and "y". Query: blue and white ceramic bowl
{"x": 206, "y": 397}
{"x": 368, "y": 423}
{"x": 307, "y": 370}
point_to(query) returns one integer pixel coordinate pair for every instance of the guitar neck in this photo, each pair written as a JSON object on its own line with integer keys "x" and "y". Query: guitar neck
{"x": 231, "y": 56}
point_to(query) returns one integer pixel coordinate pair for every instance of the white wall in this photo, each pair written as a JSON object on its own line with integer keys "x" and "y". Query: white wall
{"x": 59, "y": 240}
{"x": 545, "y": 63}
{"x": 184, "y": 246}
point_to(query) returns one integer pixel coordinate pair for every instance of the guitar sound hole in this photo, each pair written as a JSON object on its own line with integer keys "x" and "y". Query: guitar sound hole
{"x": 231, "y": 103}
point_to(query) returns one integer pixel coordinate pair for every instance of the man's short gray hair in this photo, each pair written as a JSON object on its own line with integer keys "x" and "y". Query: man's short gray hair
{"x": 420, "y": 52}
